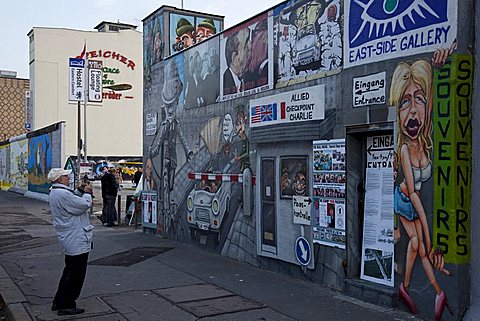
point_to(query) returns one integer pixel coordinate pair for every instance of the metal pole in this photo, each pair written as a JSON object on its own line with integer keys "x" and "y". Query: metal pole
{"x": 79, "y": 145}
{"x": 85, "y": 112}
{"x": 182, "y": 4}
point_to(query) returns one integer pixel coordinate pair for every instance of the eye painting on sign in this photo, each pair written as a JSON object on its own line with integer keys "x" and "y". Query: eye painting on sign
{"x": 381, "y": 29}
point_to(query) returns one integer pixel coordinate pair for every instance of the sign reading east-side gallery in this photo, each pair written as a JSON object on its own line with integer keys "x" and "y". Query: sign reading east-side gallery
{"x": 378, "y": 30}
{"x": 369, "y": 90}
{"x": 289, "y": 107}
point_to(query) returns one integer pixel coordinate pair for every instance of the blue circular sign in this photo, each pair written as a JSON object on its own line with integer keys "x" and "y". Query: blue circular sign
{"x": 303, "y": 251}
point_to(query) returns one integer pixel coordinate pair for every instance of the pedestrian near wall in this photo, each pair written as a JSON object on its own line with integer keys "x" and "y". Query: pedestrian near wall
{"x": 109, "y": 193}
{"x": 75, "y": 233}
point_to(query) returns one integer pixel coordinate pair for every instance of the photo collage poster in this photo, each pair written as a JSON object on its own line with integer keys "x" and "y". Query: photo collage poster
{"x": 149, "y": 209}
{"x": 378, "y": 233}
{"x": 329, "y": 178}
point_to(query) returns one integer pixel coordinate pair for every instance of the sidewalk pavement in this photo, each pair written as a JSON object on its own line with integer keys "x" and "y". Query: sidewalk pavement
{"x": 137, "y": 276}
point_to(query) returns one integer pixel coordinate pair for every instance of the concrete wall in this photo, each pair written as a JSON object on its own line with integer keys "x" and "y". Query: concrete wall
{"x": 184, "y": 135}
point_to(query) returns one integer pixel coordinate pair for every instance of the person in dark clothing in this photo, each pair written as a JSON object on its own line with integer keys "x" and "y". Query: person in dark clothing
{"x": 109, "y": 194}
{"x": 137, "y": 176}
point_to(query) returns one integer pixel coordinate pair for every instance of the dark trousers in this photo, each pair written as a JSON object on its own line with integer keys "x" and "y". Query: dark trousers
{"x": 71, "y": 281}
{"x": 111, "y": 211}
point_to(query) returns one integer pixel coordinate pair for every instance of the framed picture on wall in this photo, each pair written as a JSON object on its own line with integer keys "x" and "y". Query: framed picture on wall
{"x": 293, "y": 176}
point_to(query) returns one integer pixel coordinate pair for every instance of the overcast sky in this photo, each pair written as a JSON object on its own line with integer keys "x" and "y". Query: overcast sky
{"x": 18, "y": 17}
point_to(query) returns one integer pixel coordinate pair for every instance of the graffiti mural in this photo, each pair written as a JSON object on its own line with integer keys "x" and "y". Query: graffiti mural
{"x": 377, "y": 30}
{"x": 39, "y": 163}
{"x": 19, "y": 164}
{"x": 308, "y": 40}
{"x": 3, "y": 166}
{"x": 413, "y": 90}
{"x": 153, "y": 45}
{"x": 162, "y": 154}
{"x": 186, "y": 31}
{"x": 202, "y": 74}
{"x": 246, "y": 59}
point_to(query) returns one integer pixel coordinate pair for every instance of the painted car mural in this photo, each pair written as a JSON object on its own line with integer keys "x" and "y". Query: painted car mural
{"x": 207, "y": 205}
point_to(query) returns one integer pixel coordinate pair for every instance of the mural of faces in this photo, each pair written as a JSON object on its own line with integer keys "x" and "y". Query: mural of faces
{"x": 186, "y": 31}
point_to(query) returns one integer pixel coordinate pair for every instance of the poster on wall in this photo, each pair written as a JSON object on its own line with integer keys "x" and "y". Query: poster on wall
{"x": 149, "y": 209}
{"x": 288, "y": 107}
{"x": 329, "y": 217}
{"x": 19, "y": 164}
{"x": 150, "y": 123}
{"x": 378, "y": 30}
{"x": 308, "y": 40}
{"x": 294, "y": 179}
{"x": 202, "y": 74}
{"x": 246, "y": 58}
{"x": 378, "y": 234}
{"x": 186, "y": 31}
{"x": 153, "y": 45}
{"x": 39, "y": 163}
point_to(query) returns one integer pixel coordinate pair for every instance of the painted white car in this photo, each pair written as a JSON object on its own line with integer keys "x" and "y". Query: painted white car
{"x": 207, "y": 204}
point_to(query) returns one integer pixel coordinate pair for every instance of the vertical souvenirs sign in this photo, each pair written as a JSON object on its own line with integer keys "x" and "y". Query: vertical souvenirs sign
{"x": 329, "y": 215}
{"x": 149, "y": 209}
{"x": 378, "y": 30}
{"x": 452, "y": 158}
{"x": 378, "y": 240}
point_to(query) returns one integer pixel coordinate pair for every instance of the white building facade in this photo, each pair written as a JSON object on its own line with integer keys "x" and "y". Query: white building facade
{"x": 114, "y": 126}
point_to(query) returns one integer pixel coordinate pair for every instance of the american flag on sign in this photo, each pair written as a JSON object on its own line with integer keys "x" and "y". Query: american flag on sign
{"x": 263, "y": 113}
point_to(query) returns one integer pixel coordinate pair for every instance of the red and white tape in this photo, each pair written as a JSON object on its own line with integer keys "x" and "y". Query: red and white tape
{"x": 218, "y": 177}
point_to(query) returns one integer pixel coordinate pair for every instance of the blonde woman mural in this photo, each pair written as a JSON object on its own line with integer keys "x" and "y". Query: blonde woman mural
{"x": 412, "y": 92}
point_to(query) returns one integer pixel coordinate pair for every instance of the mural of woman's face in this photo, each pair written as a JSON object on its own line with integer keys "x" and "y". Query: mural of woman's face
{"x": 412, "y": 110}
{"x": 148, "y": 169}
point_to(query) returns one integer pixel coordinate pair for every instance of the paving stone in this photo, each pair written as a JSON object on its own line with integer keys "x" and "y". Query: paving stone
{"x": 193, "y": 292}
{"x": 94, "y": 307}
{"x": 210, "y": 307}
{"x": 265, "y": 314}
{"x": 146, "y": 306}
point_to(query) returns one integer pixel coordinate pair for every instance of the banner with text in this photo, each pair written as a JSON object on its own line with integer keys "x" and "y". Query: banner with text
{"x": 378, "y": 30}
{"x": 378, "y": 241}
{"x": 289, "y": 107}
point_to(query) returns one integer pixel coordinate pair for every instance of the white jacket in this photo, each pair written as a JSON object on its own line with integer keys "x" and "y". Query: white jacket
{"x": 70, "y": 219}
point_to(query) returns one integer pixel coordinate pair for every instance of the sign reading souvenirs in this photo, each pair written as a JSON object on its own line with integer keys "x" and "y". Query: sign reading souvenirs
{"x": 289, "y": 107}
{"x": 329, "y": 216}
{"x": 378, "y": 30}
{"x": 378, "y": 240}
{"x": 76, "y": 81}
{"x": 369, "y": 90}
{"x": 95, "y": 80}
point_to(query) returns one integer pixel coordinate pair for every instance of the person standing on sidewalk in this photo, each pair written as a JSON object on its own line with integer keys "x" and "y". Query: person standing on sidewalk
{"x": 109, "y": 194}
{"x": 74, "y": 231}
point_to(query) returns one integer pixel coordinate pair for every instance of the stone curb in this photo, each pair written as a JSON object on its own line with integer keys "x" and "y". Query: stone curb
{"x": 12, "y": 298}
